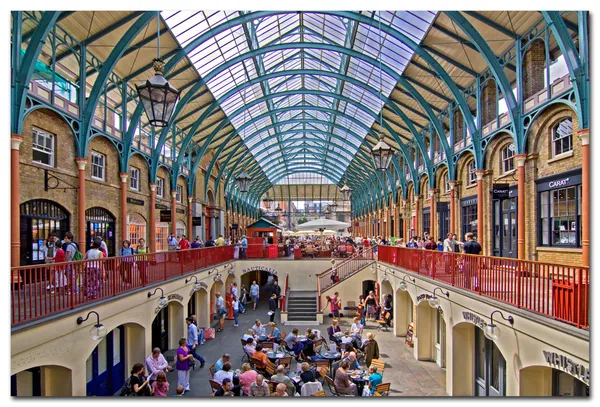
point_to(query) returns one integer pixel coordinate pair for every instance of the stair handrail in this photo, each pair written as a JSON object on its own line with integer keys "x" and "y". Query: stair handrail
{"x": 286, "y": 294}
{"x": 345, "y": 269}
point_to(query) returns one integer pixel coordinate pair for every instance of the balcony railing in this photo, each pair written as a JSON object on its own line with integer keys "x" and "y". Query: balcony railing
{"x": 557, "y": 291}
{"x": 79, "y": 283}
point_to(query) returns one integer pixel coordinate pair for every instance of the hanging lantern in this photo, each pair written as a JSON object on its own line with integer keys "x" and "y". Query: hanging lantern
{"x": 332, "y": 206}
{"x": 267, "y": 201}
{"x": 278, "y": 209}
{"x": 382, "y": 154}
{"x": 346, "y": 192}
{"x": 243, "y": 181}
{"x": 158, "y": 96}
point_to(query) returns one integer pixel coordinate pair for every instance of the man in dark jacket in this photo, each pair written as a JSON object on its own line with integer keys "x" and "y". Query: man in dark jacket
{"x": 276, "y": 289}
{"x": 272, "y": 307}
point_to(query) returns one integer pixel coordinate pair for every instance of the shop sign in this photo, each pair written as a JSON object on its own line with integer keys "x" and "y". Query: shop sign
{"x": 175, "y": 297}
{"x": 161, "y": 206}
{"x": 235, "y": 226}
{"x": 165, "y": 216}
{"x": 135, "y": 201}
{"x": 564, "y": 363}
{"x": 442, "y": 207}
{"x": 558, "y": 182}
{"x": 181, "y": 211}
{"x": 259, "y": 268}
{"x": 196, "y": 220}
{"x": 474, "y": 318}
{"x": 422, "y": 297}
{"x": 500, "y": 191}
{"x": 469, "y": 201}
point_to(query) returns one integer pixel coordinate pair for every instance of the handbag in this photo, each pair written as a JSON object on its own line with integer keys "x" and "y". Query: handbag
{"x": 209, "y": 333}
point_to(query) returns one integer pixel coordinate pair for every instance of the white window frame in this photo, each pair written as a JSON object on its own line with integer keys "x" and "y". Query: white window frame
{"x": 134, "y": 179}
{"x": 102, "y": 168}
{"x": 160, "y": 187}
{"x": 508, "y": 156}
{"x": 179, "y": 192}
{"x": 560, "y": 140}
{"x": 472, "y": 173}
{"x": 42, "y": 149}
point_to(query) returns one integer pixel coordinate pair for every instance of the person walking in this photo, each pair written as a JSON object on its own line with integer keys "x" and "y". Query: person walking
{"x": 370, "y": 349}
{"x": 192, "y": 340}
{"x": 196, "y": 243}
{"x": 244, "y": 248}
{"x": 470, "y": 271}
{"x": 183, "y": 365}
{"x": 272, "y": 307}
{"x": 127, "y": 262}
{"x": 172, "y": 241}
{"x": 221, "y": 311}
{"x": 244, "y": 298}
{"x": 142, "y": 261}
{"x": 60, "y": 280}
{"x": 371, "y": 303}
{"x": 94, "y": 272}
{"x": 236, "y": 309}
{"x": 335, "y": 305}
{"x": 254, "y": 293}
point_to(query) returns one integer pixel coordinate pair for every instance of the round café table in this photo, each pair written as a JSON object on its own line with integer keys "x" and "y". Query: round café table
{"x": 331, "y": 356}
{"x": 360, "y": 379}
{"x": 274, "y": 356}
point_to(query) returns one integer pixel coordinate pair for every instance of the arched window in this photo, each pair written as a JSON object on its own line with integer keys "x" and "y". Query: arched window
{"x": 508, "y": 158}
{"x": 562, "y": 137}
{"x": 472, "y": 174}
{"x": 445, "y": 182}
{"x": 40, "y": 218}
{"x": 137, "y": 229}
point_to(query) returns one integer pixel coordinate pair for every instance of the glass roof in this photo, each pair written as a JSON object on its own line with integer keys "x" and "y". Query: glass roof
{"x": 303, "y": 125}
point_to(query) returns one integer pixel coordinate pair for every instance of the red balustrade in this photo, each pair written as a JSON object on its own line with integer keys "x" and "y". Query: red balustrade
{"x": 556, "y": 291}
{"x": 83, "y": 282}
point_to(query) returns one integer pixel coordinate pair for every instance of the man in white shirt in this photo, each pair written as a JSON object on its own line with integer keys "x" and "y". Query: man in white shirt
{"x": 254, "y": 293}
{"x": 223, "y": 373}
{"x": 449, "y": 243}
{"x": 249, "y": 347}
{"x": 156, "y": 363}
{"x": 219, "y": 307}
{"x": 258, "y": 329}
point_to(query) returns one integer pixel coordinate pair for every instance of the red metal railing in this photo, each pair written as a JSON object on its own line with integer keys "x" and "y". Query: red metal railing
{"x": 556, "y": 291}
{"x": 82, "y": 282}
{"x": 344, "y": 269}
{"x": 284, "y": 300}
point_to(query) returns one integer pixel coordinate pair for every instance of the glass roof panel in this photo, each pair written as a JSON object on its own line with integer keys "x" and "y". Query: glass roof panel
{"x": 284, "y": 27}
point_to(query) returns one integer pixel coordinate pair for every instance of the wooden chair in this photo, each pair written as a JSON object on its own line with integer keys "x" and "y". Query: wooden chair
{"x": 320, "y": 363}
{"x": 286, "y": 362}
{"x": 270, "y": 368}
{"x": 383, "y": 322}
{"x": 323, "y": 372}
{"x": 211, "y": 370}
{"x": 380, "y": 364}
{"x": 257, "y": 364}
{"x": 212, "y": 394}
{"x": 283, "y": 345}
{"x": 267, "y": 345}
{"x": 375, "y": 394}
{"x": 214, "y": 385}
{"x": 272, "y": 386}
{"x": 383, "y": 389}
{"x": 331, "y": 386}
{"x": 320, "y": 393}
{"x": 318, "y": 344}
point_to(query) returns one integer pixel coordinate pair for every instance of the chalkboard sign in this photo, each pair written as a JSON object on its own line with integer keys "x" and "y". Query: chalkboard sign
{"x": 409, "y": 334}
{"x": 196, "y": 220}
{"x": 165, "y": 216}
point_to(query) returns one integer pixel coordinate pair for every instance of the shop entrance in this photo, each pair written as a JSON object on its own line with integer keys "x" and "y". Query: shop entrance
{"x": 160, "y": 330}
{"x": 105, "y": 367}
{"x": 39, "y": 218}
{"x": 505, "y": 227}
{"x": 490, "y": 367}
{"x": 100, "y": 222}
{"x": 443, "y": 211}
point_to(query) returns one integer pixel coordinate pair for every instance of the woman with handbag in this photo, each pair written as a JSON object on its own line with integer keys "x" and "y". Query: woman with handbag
{"x": 182, "y": 365}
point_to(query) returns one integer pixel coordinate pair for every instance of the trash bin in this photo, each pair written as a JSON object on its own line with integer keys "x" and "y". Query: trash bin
{"x": 297, "y": 254}
{"x": 272, "y": 251}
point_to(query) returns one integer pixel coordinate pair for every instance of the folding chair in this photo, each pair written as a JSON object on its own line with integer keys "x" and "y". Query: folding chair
{"x": 272, "y": 386}
{"x": 267, "y": 345}
{"x": 214, "y": 385}
{"x": 383, "y": 389}
{"x": 286, "y": 362}
{"x": 331, "y": 386}
{"x": 318, "y": 344}
{"x": 323, "y": 372}
{"x": 383, "y": 322}
{"x": 320, "y": 393}
{"x": 256, "y": 363}
{"x": 380, "y": 364}
{"x": 211, "y": 370}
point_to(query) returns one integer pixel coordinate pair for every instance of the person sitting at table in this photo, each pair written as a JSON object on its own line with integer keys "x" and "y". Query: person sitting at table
{"x": 280, "y": 391}
{"x": 226, "y": 386}
{"x": 223, "y": 373}
{"x": 370, "y": 348}
{"x": 309, "y": 348}
{"x": 275, "y": 335}
{"x": 258, "y": 329}
{"x": 259, "y": 388}
{"x": 291, "y": 337}
{"x": 333, "y": 329}
{"x": 341, "y": 381}
{"x": 281, "y": 378}
{"x": 346, "y": 338}
{"x": 221, "y": 361}
{"x": 250, "y": 347}
{"x": 308, "y": 332}
{"x": 261, "y": 356}
{"x": 307, "y": 375}
{"x": 247, "y": 377}
{"x": 356, "y": 331}
{"x": 293, "y": 344}
{"x": 351, "y": 359}
{"x": 375, "y": 379}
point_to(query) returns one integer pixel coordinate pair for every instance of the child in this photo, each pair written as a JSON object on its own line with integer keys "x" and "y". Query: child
{"x": 179, "y": 391}
{"x": 161, "y": 386}
{"x": 346, "y": 339}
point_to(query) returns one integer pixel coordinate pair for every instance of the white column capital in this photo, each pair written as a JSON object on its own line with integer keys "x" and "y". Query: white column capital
{"x": 152, "y": 187}
{"x": 173, "y": 194}
{"x": 123, "y": 176}
{"x": 584, "y": 136}
{"x": 15, "y": 141}
{"x": 521, "y": 160}
{"x": 81, "y": 163}
{"x": 479, "y": 174}
{"x": 190, "y": 200}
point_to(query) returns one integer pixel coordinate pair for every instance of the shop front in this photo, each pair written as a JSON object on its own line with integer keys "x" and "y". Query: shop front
{"x": 426, "y": 219}
{"x": 100, "y": 223}
{"x": 443, "y": 210}
{"x": 504, "y": 218}
{"x": 468, "y": 218}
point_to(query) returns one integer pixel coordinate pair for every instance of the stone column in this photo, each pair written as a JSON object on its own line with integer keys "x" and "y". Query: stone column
{"x": 452, "y": 227}
{"x": 521, "y": 205}
{"x": 15, "y": 200}
{"x": 584, "y": 134}
{"x": 174, "y": 212}
{"x": 432, "y": 213}
{"x": 123, "y": 222}
{"x": 190, "y": 231}
{"x": 480, "y": 224}
{"x": 81, "y": 163}
{"x": 152, "y": 221}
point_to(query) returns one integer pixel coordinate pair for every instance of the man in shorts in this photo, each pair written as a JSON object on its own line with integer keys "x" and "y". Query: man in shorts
{"x": 254, "y": 291}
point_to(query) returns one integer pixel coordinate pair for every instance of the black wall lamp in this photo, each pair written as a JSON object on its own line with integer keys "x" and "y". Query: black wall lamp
{"x": 98, "y": 331}
{"x": 403, "y": 285}
{"x": 197, "y": 285}
{"x": 491, "y": 330}
{"x": 162, "y": 302}
{"x": 434, "y": 301}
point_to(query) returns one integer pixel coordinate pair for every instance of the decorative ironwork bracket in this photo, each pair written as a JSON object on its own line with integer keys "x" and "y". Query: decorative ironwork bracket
{"x": 53, "y": 182}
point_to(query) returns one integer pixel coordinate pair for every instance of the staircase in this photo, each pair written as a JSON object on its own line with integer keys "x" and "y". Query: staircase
{"x": 302, "y": 307}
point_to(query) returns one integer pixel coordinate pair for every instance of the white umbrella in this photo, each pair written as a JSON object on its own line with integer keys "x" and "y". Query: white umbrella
{"x": 323, "y": 224}
{"x": 329, "y": 232}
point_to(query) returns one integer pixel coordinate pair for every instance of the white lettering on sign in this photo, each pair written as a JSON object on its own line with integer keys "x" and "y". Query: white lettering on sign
{"x": 560, "y": 183}
{"x": 564, "y": 363}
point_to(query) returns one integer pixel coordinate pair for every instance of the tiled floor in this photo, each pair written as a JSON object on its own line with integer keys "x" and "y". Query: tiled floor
{"x": 408, "y": 377}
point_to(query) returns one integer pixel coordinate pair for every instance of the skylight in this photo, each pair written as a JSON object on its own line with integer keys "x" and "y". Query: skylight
{"x": 304, "y": 126}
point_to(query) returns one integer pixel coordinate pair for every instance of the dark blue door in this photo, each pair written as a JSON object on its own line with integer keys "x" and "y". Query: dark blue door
{"x": 105, "y": 367}
{"x": 35, "y": 380}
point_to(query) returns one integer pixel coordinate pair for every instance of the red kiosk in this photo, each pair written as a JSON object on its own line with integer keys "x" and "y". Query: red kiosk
{"x": 256, "y": 234}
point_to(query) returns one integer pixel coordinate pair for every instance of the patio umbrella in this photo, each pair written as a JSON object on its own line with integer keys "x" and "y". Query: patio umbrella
{"x": 322, "y": 224}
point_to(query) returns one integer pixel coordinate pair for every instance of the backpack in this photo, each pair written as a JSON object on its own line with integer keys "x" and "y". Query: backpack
{"x": 77, "y": 256}
{"x": 126, "y": 390}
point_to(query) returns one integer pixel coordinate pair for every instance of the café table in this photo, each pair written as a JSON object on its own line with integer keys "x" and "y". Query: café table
{"x": 274, "y": 356}
{"x": 331, "y": 357}
{"x": 360, "y": 378}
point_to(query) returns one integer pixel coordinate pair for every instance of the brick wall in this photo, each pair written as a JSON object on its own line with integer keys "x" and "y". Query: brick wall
{"x": 533, "y": 68}
{"x": 488, "y": 102}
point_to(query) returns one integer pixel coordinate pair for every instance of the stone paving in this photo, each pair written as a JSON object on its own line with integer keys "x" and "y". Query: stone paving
{"x": 408, "y": 377}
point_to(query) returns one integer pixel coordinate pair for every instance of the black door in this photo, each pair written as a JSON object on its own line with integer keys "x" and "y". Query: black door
{"x": 39, "y": 218}
{"x": 443, "y": 219}
{"x": 490, "y": 367}
{"x": 505, "y": 227}
{"x": 160, "y": 330}
{"x": 191, "y": 308}
{"x": 34, "y": 382}
{"x": 100, "y": 222}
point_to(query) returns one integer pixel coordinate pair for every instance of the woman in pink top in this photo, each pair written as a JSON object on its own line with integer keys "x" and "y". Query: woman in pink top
{"x": 161, "y": 386}
{"x": 247, "y": 377}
